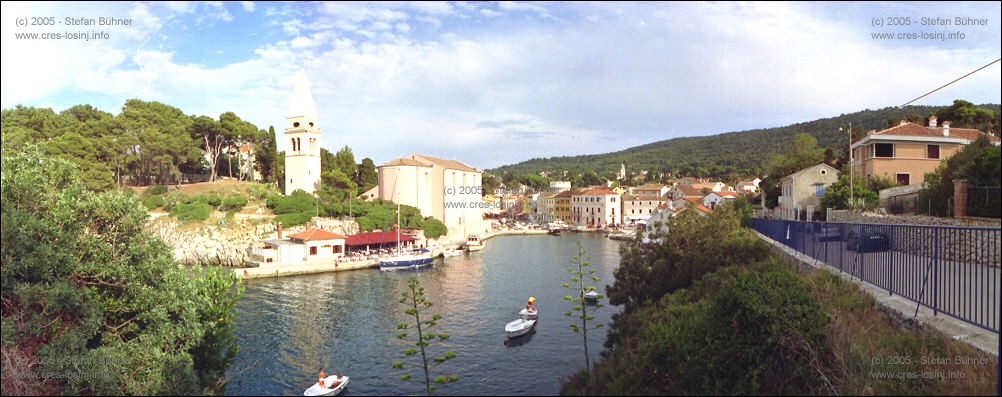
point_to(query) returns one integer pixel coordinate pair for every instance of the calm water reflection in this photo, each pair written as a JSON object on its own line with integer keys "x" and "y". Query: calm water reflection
{"x": 289, "y": 327}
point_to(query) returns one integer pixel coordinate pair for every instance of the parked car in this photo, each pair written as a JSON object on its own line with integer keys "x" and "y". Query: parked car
{"x": 867, "y": 238}
{"x": 829, "y": 232}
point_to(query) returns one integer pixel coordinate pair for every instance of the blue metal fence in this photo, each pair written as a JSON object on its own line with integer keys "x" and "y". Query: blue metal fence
{"x": 953, "y": 270}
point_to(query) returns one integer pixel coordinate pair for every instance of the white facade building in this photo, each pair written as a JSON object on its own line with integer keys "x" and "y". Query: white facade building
{"x": 302, "y": 140}
{"x": 597, "y": 207}
{"x": 445, "y": 189}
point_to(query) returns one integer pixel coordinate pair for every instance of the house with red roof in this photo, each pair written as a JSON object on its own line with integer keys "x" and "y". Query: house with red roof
{"x": 306, "y": 247}
{"x": 906, "y": 152}
{"x": 596, "y": 207}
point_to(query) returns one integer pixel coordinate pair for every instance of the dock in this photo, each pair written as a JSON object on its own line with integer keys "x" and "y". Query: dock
{"x": 346, "y": 265}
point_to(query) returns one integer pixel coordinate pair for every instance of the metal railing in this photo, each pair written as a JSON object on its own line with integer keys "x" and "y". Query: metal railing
{"x": 953, "y": 270}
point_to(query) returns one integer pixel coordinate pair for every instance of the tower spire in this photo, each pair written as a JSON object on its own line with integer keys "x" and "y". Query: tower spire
{"x": 301, "y": 104}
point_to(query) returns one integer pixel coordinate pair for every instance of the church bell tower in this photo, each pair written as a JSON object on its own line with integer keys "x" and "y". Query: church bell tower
{"x": 302, "y": 140}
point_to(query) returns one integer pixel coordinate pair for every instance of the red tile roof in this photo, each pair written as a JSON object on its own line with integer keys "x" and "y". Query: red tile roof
{"x": 597, "y": 191}
{"x": 375, "y": 238}
{"x": 316, "y": 234}
{"x": 912, "y": 129}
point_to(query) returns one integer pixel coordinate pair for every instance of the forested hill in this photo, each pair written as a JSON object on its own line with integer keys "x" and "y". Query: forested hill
{"x": 732, "y": 155}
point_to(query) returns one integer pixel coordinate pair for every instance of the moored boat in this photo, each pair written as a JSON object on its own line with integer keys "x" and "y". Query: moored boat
{"x": 406, "y": 261}
{"x": 474, "y": 243}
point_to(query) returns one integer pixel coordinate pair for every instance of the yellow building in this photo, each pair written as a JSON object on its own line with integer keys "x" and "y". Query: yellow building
{"x": 562, "y": 206}
{"x": 906, "y": 152}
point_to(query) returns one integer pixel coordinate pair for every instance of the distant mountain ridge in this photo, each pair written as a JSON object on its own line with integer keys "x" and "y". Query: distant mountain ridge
{"x": 728, "y": 156}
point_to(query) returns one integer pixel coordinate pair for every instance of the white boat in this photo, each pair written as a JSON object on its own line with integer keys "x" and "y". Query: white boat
{"x": 623, "y": 235}
{"x": 591, "y": 296}
{"x": 317, "y": 390}
{"x": 451, "y": 252}
{"x": 523, "y": 325}
{"x": 473, "y": 243}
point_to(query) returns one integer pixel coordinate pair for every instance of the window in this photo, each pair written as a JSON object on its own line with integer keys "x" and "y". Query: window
{"x": 883, "y": 150}
{"x": 903, "y": 179}
{"x": 313, "y": 250}
{"x": 819, "y": 190}
{"x": 932, "y": 151}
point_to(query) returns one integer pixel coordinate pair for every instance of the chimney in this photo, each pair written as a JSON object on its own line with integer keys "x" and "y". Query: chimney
{"x": 903, "y": 122}
{"x": 280, "y": 230}
{"x": 932, "y": 121}
{"x": 946, "y": 128}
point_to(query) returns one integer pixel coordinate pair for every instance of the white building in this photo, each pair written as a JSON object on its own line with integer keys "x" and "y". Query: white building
{"x": 650, "y": 189}
{"x": 559, "y": 186}
{"x": 445, "y": 189}
{"x": 302, "y": 140}
{"x": 641, "y": 207}
{"x": 596, "y": 207}
{"x": 714, "y": 199}
{"x": 309, "y": 246}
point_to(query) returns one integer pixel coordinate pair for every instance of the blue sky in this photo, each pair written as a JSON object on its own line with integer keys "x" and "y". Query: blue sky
{"x": 490, "y": 84}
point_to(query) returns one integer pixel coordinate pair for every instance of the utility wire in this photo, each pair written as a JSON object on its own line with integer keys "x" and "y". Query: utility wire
{"x": 954, "y": 81}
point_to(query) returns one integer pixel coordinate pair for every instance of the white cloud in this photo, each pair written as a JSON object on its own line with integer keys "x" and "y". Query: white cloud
{"x": 498, "y": 91}
{"x": 487, "y": 12}
{"x": 248, "y": 6}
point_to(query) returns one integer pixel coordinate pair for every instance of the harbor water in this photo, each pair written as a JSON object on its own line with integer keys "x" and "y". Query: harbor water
{"x": 289, "y": 327}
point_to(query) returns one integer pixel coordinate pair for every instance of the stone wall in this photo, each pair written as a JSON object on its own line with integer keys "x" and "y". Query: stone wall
{"x": 225, "y": 242}
{"x": 966, "y": 245}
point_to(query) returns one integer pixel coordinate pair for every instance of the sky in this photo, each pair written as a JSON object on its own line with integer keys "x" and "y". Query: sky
{"x": 490, "y": 84}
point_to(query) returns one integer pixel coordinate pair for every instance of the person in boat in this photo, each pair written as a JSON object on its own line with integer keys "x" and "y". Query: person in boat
{"x": 532, "y": 302}
{"x": 337, "y": 381}
{"x": 322, "y": 376}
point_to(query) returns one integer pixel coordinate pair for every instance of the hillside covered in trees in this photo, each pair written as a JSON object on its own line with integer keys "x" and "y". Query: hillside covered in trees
{"x": 736, "y": 155}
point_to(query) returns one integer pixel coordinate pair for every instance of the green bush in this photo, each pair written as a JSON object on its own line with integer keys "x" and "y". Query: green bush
{"x": 293, "y": 219}
{"x": 157, "y": 190}
{"x": 172, "y": 199}
{"x": 233, "y": 203}
{"x": 153, "y": 202}
{"x": 299, "y": 201}
{"x": 433, "y": 228}
{"x": 213, "y": 199}
{"x": 192, "y": 212}
{"x": 89, "y": 290}
{"x": 744, "y": 331}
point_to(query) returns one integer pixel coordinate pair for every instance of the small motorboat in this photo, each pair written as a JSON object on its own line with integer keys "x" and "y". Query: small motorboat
{"x": 523, "y": 325}
{"x": 591, "y": 296}
{"x": 519, "y": 327}
{"x": 339, "y": 385}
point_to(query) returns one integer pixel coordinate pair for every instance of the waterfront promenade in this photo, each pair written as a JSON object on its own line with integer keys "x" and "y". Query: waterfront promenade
{"x": 348, "y": 264}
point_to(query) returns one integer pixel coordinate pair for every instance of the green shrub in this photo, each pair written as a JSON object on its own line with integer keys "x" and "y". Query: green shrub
{"x": 299, "y": 201}
{"x": 433, "y": 228}
{"x": 174, "y": 198}
{"x": 152, "y": 202}
{"x": 192, "y": 212}
{"x": 157, "y": 190}
{"x": 744, "y": 331}
{"x": 233, "y": 203}
{"x": 213, "y": 200}
{"x": 293, "y": 219}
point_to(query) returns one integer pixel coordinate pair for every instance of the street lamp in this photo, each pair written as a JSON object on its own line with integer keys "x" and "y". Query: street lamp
{"x": 851, "y": 203}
